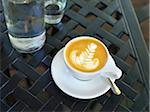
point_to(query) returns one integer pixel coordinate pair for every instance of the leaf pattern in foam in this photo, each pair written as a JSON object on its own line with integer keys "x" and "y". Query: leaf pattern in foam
{"x": 86, "y": 58}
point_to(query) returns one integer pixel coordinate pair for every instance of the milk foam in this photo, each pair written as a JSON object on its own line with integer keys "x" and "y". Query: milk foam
{"x": 85, "y": 59}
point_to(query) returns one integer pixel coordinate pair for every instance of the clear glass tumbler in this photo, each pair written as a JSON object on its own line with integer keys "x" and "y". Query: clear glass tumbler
{"x": 25, "y": 23}
{"x": 54, "y": 10}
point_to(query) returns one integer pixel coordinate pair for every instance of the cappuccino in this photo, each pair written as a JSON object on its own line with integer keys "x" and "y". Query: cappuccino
{"x": 86, "y": 54}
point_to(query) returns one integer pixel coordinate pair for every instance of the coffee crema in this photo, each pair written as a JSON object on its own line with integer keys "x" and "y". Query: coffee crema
{"x": 86, "y": 55}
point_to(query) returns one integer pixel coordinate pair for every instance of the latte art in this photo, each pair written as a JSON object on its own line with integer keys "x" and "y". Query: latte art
{"x": 86, "y": 58}
{"x": 86, "y": 55}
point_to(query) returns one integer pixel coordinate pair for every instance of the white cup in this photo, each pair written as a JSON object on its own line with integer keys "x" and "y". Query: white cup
{"x": 110, "y": 70}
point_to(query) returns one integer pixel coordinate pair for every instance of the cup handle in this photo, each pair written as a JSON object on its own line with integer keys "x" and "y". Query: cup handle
{"x": 113, "y": 73}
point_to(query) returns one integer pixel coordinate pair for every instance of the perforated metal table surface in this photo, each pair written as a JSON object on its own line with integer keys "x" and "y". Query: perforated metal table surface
{"x": 26, "y": 83}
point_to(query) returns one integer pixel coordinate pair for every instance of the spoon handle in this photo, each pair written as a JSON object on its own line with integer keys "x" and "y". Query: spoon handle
{"x": 114, "y": 87}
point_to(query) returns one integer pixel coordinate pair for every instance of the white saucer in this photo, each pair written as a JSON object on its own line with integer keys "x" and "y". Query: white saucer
{"x": 74, "y": 87}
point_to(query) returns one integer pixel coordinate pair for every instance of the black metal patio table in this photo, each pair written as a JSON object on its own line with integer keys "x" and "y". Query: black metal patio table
{"x": 25, "y": 79}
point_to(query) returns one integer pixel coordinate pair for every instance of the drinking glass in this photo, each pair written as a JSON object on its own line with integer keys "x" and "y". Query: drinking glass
{"x": 54, "y": 10}
{"x": 25, "y": 23}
